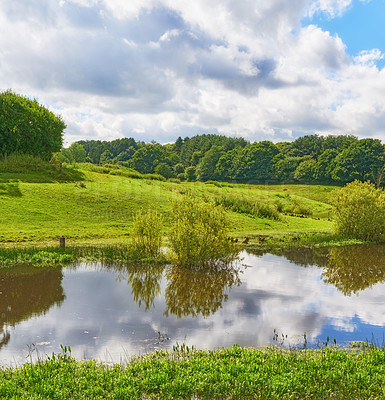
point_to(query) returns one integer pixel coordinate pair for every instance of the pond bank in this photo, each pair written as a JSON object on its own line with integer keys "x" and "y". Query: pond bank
{"x": 232, "y": 373}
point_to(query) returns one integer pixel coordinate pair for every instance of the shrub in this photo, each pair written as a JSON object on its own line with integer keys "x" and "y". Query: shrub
{"x": 199, "y": 235}
{"x": 147, "y": 233}
{"x": 359, "y": 211}
{"x": 173, "y": 180}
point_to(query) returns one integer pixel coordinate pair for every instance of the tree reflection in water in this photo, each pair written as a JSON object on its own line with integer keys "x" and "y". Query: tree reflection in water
{"x": 144, "y": 280}
{"x": 26, "y": 292}
{"x": 354, "y": 268}
{"x": 200, "y": 291}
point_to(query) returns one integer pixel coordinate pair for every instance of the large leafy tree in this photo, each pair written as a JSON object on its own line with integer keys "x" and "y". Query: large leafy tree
{"x": 206, "y": 168}
{"x": 27, "y": 127}
{"x": 362, "y": 160}
{"x": 258, "y": 161}
{"x": 147, "y": 158}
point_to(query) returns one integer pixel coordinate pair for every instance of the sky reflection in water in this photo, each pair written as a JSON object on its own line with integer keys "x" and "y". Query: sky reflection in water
{"x": 110, "y": 313}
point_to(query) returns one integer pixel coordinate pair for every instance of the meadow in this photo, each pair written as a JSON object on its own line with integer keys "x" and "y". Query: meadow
{"x": 90, "y": 204}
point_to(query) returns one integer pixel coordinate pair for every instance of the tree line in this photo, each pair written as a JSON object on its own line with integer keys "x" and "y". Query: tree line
{"x": 26, "y": 127}
{"x": 311, "y": 158}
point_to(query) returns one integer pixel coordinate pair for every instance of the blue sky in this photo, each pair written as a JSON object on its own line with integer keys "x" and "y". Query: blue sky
{"x": 159, "y": 69}
{"x": 361, "y": 26}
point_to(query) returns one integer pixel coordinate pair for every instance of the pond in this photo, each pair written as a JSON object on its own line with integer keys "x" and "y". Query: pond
{"x": 111, "y": 312}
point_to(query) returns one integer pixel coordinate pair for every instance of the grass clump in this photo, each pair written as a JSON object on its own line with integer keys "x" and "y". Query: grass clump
{"x": 147, "y": 233}
{"x": 198, "y": 236}
{"x": 120, "y": 170}
{"x": 244, "y": 205}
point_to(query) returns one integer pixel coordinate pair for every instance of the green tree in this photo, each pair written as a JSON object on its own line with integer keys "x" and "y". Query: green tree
{"x": 206, "y": 168}
{"x": 27, "y": 127}
{"x": 258, "y": 161}
{"x": 105, "y": 157}
{"x": 164, "y": 170}
{"x": 362, "y": 160}
{"x": 325, "y": 165}
{"x": 305, "y": 170}
{"x": 285, "y": 166}
{"x": 191, "y": 174}
{"x": 147, "y": 158}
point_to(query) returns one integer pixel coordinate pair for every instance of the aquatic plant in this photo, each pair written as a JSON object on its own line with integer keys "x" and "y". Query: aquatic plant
{"x": 199, "y": 236}
{"x": 147, "y": 233}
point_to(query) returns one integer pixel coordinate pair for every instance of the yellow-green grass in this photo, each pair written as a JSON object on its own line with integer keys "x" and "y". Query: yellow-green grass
{"x": 101, "y": 207}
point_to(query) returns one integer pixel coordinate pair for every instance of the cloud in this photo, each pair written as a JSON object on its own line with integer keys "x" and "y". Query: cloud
{"x": 160, "y": 69}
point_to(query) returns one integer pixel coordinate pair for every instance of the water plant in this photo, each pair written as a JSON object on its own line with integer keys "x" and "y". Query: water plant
{"x": 359, "y": 211}
{"x": 198, "y": 236}
{"x": 147, "y": 233}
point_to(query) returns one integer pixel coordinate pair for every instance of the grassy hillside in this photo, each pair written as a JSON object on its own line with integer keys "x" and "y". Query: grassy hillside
{"x": 39, "y": 202}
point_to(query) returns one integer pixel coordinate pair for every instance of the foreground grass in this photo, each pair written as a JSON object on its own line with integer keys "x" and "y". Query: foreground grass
{"x": 40, "y": 204}
{"x": 234, "y": 373}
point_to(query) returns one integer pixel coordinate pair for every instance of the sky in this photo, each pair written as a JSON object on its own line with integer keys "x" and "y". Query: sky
{"x": 159, "y": 69}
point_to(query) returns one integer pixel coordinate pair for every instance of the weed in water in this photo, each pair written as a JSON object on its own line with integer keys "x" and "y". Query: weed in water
{"x": 147, "y": 233}
{"x": 199, "y": 233}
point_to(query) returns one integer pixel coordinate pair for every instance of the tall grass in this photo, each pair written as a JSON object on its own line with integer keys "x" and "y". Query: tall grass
{"x": 234, "y": 373}
{"x": 147, "y": 233}
{"x": 56, "y": 256}
{"x": 114, "y": 169}
{"x": 245, "y": 205}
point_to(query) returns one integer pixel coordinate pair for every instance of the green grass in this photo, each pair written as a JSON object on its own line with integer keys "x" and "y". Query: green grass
{"x": 97, "y": 204}
{"x": 57, "y": 256}
{"x": 234, "y": 373}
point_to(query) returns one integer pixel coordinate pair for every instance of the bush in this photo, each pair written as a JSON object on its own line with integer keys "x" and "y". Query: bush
{"x": 27, "y": 127}
{"x": 147, "y": 234}
{"x": 359, "y": 211}
{"x": 199, "y": 236}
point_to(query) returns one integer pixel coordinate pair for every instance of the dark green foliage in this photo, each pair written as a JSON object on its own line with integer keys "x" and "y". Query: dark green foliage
{"x": 308, "y": 159}
{"x": 26, "y": 127}
{"x": 203, "y": 143}
{"x": 325, "y": 165}
{"x": 310, "y": 145}
{"x": 206, "y": 168}
{"x": 191, "y": 174}
{"x": 363, "y": 160}
{"x": 164, "y": 170}
{"x": 147, "y": 158}
{"x": 305, "y": 171}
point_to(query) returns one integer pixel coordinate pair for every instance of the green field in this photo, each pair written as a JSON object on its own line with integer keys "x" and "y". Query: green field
{"x": 40, "y": 204}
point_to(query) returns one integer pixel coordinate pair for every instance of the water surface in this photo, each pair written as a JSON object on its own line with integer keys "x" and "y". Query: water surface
{"x": 110, "y": 312}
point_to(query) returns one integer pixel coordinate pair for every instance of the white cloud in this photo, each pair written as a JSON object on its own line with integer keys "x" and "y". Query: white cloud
{"x": 162, "y": 68}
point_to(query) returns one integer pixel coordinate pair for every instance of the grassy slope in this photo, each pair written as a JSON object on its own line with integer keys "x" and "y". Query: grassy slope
{"x": 36, "y": 209}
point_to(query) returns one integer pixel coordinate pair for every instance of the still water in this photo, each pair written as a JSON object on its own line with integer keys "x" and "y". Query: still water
{"x": 111, "y": 312}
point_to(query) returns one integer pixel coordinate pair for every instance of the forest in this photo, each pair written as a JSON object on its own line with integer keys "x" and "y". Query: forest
{"x": 312, "y": 158}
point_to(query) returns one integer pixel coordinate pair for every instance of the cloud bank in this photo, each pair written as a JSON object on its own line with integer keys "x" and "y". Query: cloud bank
{"x": 158, "y": 69}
